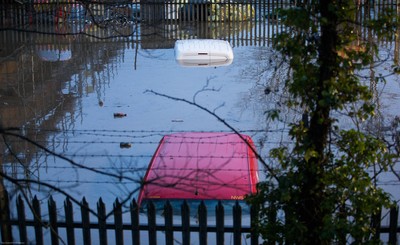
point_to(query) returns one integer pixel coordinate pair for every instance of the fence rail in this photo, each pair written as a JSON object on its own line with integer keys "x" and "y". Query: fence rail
{"x": 62, "y": 225}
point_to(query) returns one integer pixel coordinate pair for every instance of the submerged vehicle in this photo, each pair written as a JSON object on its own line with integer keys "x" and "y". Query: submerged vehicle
{"x": 203, "y": 53}
{"x": 201, "y": 166}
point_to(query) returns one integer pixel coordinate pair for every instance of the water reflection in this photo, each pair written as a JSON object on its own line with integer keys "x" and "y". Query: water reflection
{"x": 43, "y": 78}
{"x": 54, "y": 52}
{"x": 68, "y": 104}
{"x": 50, "y": 84}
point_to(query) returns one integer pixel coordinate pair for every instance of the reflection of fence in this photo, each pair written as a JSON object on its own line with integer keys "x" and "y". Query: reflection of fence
{"x": 54, "y": 11}
{"x": 67, "y": 228}
{"x": 158, "y": 23}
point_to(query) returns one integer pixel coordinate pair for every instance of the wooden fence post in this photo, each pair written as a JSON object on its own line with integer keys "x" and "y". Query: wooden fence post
{"x": 253, "y": 221}
{"x": 394, "y": 214}
{"x": 237, "y": 224}
{"x": 101, "y": 212}
{"x": 135, "y": 222}
{"x": 151, "y": 216}
{"x": 119, "y": 233}
{"x": 185, "y": 223}
{"x": 69, "y": 221}
{"x": 53, "y": 221}
{"x": 21, "y": 220}
{"x": 342, "y": 215}
{"x": 168, "y": 217}
{"x": 202, "y": 212}
{"x": 85, "y": 222}
{"x": 6, "y": 235}
{"x": 220, "y": 215}
{"x": 37, "y": 217}
{"x": 376, "y": 225}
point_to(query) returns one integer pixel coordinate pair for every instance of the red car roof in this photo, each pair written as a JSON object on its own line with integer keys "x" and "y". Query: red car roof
{"x": 202, "y": 166}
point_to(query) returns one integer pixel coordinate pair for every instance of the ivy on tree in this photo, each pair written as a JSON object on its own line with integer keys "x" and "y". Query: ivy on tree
{"x": 323, "y": 190}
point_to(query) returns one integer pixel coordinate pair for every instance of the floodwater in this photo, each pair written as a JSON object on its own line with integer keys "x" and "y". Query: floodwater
{"x": 62, "y": 92}
{"x": 95, "y": 110}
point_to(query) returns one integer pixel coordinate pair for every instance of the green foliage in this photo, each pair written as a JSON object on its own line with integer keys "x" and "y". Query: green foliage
{"x": 323, "y": 190}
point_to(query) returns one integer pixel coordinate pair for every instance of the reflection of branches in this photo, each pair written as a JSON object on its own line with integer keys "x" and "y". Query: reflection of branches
{"x": 390, "y": 135}
{"x": 205, "y": 88}
{"x": 18, "y": 181}
{"x": 269, "y": 169}
{"x": 7, "y": 132}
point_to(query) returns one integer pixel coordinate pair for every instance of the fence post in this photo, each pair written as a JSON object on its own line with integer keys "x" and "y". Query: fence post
{"x": 237, "y": 224}
{"x": 202, "y": 212}
{"x": 342, "y": 216}
{"x": 169, "y": 233}
{"x": 151, "y": 216}
{"x": 21, "y": 220}
{"x": 69, "y": 221}
{"x": 6, "y": 235}
{"x": 135, "y": 222}
{"x": 185, "y": 223}
{"x": 394, "y": 214}
{"x": 85, "y": 222}
{"x": 37, "y": 217}
{"x": 119, "y": 234}
{"x": 101, "y": 212}
{"x": 53, "y": 221}
{"x": 376, "y": 225}
{"x": 220, "y": 214}
{"x": 253, "y": 222}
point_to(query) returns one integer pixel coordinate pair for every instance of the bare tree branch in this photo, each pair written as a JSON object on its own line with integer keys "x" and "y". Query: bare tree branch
{"x": 269, "y": 169}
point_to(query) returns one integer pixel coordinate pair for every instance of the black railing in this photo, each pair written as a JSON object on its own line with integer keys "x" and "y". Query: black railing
{"x": 149, "y": 227}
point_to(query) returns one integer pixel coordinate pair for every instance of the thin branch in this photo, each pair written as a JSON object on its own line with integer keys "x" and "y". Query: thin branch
{"x": 269, "y": 169}
{"x": 120, "y": 177}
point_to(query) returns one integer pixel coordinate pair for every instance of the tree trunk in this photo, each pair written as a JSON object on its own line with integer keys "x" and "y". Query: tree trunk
{"x": 311, "y": 211}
